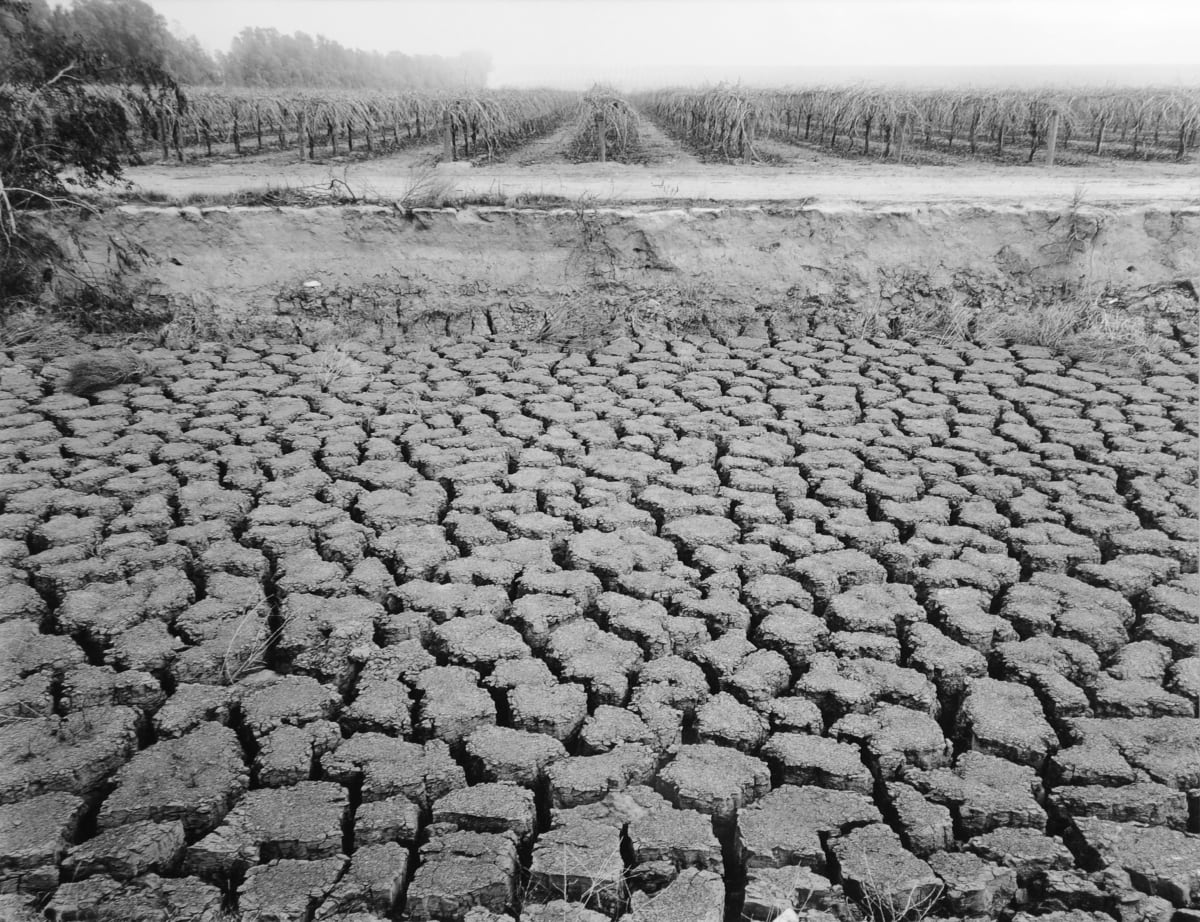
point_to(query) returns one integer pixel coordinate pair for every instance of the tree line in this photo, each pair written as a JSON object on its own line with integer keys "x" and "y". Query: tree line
{"x": 267, "y": 57}
{"x": 110, "y": 41}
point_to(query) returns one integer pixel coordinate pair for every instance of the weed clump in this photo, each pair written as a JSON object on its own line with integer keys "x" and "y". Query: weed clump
{"x": 101, "y": 371}
{"x": 29, "y": 328}
{"x": 1085, "y": 330}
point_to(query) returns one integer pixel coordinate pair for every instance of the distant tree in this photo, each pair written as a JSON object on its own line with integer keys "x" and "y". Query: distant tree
{"x": 188, "y": 62}
{"x": 114, "y": 41}
{"x": 104, "y": 41}
{"x": 126, "y": 36}
{"x": 267, "y": 57}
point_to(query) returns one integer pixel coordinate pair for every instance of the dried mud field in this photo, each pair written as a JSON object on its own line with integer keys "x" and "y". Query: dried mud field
{"x": 707, "y": 629}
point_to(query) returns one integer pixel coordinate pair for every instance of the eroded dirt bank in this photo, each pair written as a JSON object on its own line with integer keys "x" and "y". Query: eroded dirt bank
{"x": 495, "y": 269}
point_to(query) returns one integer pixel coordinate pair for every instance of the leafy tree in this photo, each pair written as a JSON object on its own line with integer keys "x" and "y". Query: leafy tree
{"x": 61, "y": 126}
{"x": 105, "y": 41}
{"x": 188, "y": 62}
{"x": 122, "y": 36}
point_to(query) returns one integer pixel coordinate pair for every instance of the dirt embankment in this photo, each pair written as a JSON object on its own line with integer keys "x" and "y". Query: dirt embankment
{"x": 499, "y": 268}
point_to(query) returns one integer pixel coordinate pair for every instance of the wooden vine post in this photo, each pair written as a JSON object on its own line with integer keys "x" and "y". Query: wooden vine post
{"x": 447, "y": 136}
{"x": 601, "y": 140}
{"x": 1052, "y": 138}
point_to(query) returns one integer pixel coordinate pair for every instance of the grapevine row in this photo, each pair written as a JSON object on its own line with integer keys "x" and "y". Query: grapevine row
{"x": 606, "y": 125}
{"x": 725, "y": 120}
{"x": 479, "y": 123}
{"x": 719, "y": 120}
{"x": 1145, "y": 120}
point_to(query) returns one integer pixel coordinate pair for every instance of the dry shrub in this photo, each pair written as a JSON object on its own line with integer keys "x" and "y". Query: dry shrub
{"x": 426, "y": 188}
{"x": 101, "y": 371}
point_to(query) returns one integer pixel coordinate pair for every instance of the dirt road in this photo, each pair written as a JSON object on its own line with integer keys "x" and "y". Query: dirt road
{"x": 535, "y": 171}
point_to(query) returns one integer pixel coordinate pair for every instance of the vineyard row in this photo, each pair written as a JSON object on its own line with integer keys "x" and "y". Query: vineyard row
{"x": 479, "y": 123}
{"x": 726, "y": 120}
{"x": 723, "y": 120}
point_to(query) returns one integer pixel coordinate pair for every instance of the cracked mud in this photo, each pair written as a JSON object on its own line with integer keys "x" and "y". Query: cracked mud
{"x": 696, "y": 630}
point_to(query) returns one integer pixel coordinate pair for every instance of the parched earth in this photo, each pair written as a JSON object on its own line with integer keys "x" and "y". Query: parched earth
{"x": 667, "y": 631}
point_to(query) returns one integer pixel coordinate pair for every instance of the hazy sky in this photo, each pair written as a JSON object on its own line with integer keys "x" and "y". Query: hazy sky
{"x": 572, "y": 41}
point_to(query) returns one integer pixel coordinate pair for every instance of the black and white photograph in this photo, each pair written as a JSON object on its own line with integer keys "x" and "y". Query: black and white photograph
{"x": 599, "y": 461}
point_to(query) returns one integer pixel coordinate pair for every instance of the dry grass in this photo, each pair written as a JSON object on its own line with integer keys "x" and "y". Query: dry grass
{"x": 567, "y": 887}
{"x": 896, "y": 901}
{"x": 1088, "y": 327}
{"x": 427, "y": 189}
{"x": 30, "y": 330}
{"x": 946, "y": 323}
{"x": 784, "y": 907}
{"x": 104, "y": 370}
{"x": 590, "y": 320}
{"x": 1087, "y": 330}
{"x": 192, "y": 322}
{"x": 241, "y": 661}
{"x": 334, "y": 362}
{"x": 578, "y": 325}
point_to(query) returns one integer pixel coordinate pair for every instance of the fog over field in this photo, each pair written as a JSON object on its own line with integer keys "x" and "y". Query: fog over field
{"x": 573, "y": 43}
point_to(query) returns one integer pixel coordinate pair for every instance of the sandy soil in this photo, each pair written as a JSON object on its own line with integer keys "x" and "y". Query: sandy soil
{"x": 673, "y": 174}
